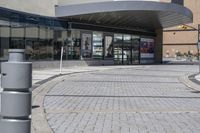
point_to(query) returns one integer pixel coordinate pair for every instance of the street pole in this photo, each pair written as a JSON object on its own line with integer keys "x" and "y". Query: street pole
{"x": 61, "y": 59}
{"x": 198, "y": 44}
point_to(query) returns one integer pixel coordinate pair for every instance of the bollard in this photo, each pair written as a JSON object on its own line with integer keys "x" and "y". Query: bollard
{"x": 16, "y": 98}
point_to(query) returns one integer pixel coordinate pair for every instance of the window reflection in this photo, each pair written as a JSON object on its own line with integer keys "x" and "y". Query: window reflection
{"x": 45, "y": 43}
{"x": 118, "y": 45}
{"x": 86, "y": 45}
{"x": 135, "y": 49}
{"x": 97, "y": 45}
{"x": 74, "y": 44}
{"x": 32, "y": 42}
{"x": 108, "y": 47}
{"x": 127, "y": 47}
{"x": 60, "y": 37}
{"x": 17, "y": 36}
{"x": 4, "y": 41}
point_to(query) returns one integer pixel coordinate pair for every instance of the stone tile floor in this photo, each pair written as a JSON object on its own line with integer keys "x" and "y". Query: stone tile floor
{"x": 147, "y": 99}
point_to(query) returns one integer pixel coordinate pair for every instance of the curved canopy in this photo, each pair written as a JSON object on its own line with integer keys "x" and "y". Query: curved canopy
{"x": 131, "y": 14}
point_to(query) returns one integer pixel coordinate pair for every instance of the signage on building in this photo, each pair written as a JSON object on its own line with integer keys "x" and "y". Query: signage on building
{"x": 146, "y": 50}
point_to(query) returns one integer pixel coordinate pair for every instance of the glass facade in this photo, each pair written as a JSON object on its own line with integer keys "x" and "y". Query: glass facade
{"x": 43, "y": 37}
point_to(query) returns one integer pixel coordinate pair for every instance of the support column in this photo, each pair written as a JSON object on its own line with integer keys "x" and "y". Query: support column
{"x": 159, "y": 46}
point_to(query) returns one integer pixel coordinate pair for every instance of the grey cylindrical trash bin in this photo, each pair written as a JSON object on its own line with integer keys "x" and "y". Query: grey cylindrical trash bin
{"x": 16, "y": 75}
{"x": 15, "y": 126}
{"x": 16, "y": 104}
{"x": 16, "y": 97}
{"x": 16, "y": 55}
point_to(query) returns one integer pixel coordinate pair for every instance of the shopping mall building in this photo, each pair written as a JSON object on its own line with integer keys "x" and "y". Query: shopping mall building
{"x": 92, "y": 32}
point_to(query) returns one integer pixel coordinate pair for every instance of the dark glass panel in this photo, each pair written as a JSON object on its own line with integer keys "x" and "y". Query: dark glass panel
{"x": 32, "y": 42}
{"x": 108, "y": 46}
{"x": 127, "y": 47}
{"x": 45, "y": 41}
{"x": 97, "y": 45}
{"x": 60, "y": 37}
{"x": 86, "y": 42}
{"x": 135, "y": 49}
{"x": 17, "y": 35}
{"x": 4, "y": 40}
{"x": 118, "y": 47}
{"x": 32, "y": 49}
{"x": 74, "y": 45}
{"x": 180, "y": 2}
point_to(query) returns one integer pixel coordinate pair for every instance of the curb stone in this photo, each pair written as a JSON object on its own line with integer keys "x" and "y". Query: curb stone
{"x": 39, "y": 121}
{"x": 190, "y": 81}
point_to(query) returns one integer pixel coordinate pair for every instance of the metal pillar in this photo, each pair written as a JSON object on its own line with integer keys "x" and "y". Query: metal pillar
{"x": 16, "y": 97}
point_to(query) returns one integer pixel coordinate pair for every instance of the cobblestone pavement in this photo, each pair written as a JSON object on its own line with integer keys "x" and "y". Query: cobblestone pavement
{"x": 146, "y": 99}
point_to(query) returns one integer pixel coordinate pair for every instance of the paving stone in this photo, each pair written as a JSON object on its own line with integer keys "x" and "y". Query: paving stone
{"x": 133, "y": 100}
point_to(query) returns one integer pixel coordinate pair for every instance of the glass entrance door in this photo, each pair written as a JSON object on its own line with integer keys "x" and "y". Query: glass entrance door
{"x": 126, "y": 49}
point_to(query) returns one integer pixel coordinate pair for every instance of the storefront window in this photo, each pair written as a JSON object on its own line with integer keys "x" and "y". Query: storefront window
{"x": 118, "y": 47}
{"x": 4, "y": 39}
{"x": 32, "y": 49}
{"x": 17, "y": 36}
{"x": 86, "y": 45}
{"x": 45, "y": 42}
{"x": 60, "y": 39}
{"x": 74, "y": 44}
{"x": 42, "y": 42}
{"x": 108, "y": 47}
{"x": 135, "y": 49}
{"x": 32, "y": 42}
{"x": 43, "y": 37}
{"x": 49, "y": 43}
{"x": 127, "y": 47}
{"x": 97, "y": 45}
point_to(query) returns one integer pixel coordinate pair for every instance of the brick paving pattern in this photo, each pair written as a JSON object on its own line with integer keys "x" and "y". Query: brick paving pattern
{"x": 147, "y": 99}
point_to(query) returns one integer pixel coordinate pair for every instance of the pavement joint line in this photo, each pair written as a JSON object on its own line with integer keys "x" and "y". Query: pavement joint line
{"x": 111, "y": 96}
{"x": 64, "y": 111}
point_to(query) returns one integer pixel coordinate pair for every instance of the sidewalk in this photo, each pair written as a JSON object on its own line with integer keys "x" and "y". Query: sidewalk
{"x": 117, "y": 100}
{"x": 41, "y": 76}
{"x": 45, "y": 79}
